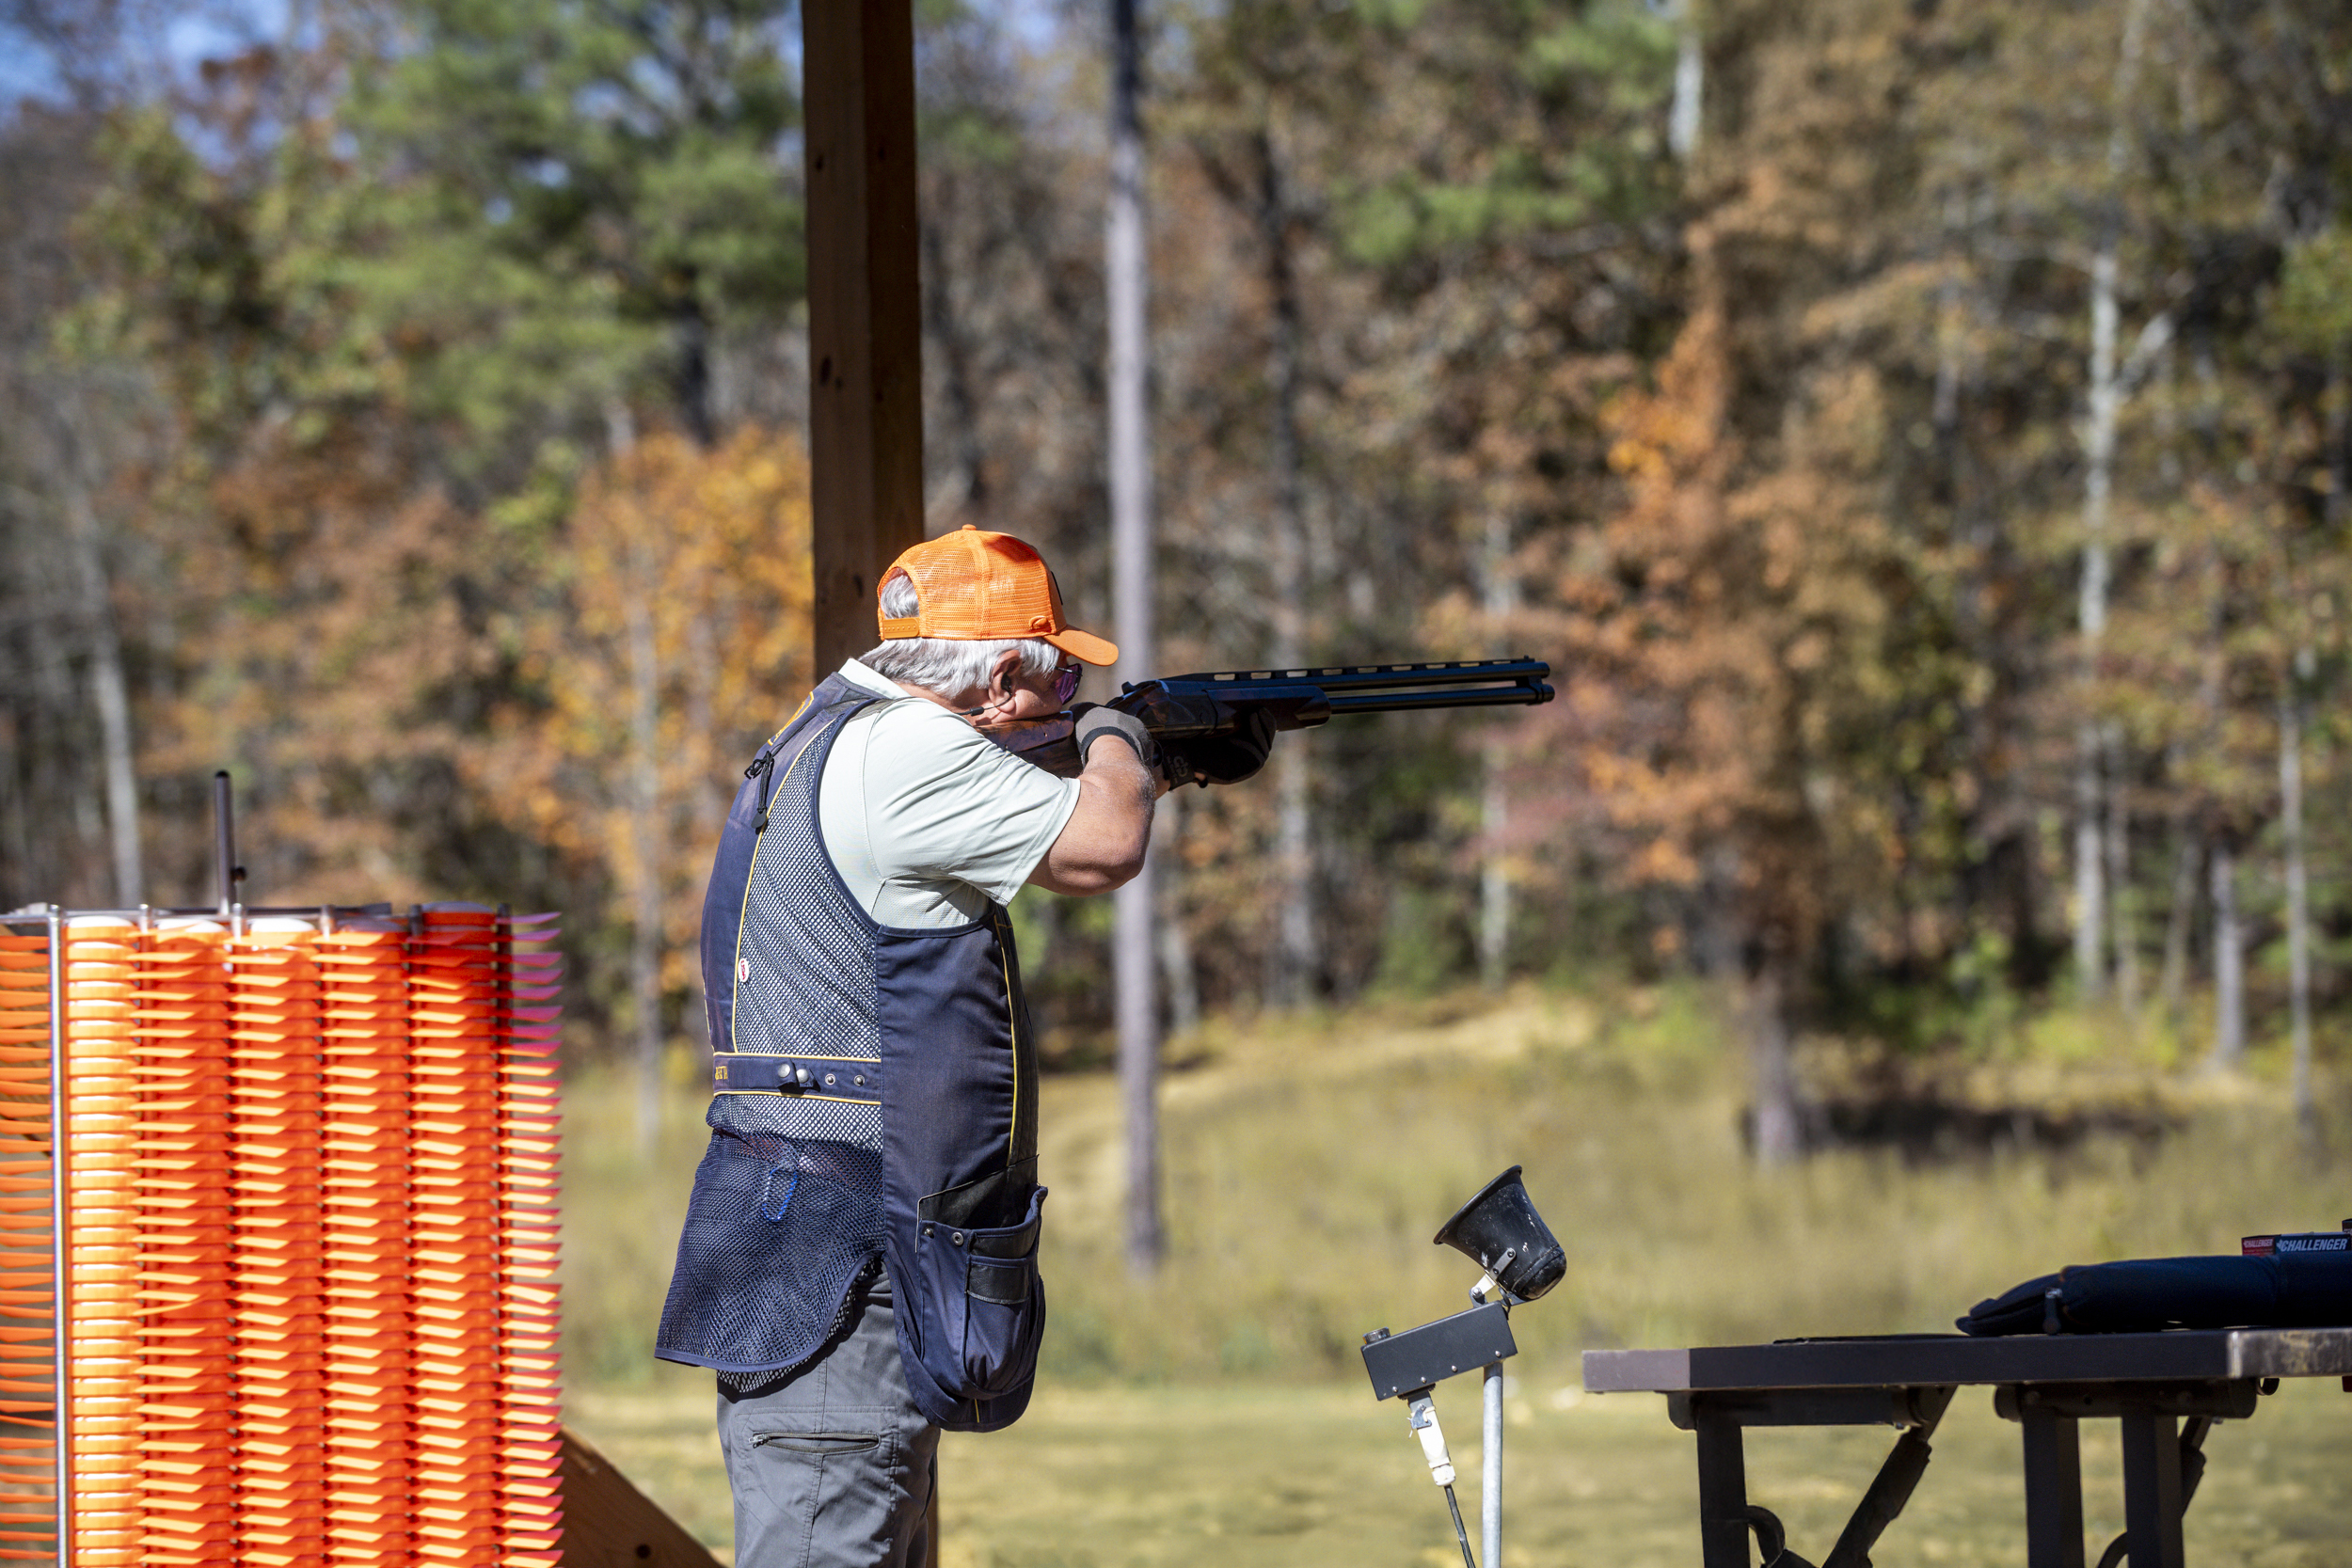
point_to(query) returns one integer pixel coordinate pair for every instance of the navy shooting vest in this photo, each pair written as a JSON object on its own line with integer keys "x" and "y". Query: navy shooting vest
{"x": 874, "y": 1104}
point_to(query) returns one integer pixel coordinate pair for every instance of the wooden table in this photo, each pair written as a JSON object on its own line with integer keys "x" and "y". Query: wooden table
{"x": 2167, "y": 1389}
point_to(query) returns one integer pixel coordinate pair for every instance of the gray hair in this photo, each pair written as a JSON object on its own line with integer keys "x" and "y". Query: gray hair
{"x": 944, "y": 664}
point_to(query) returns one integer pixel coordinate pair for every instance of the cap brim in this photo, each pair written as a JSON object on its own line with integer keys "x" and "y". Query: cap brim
{"x": 1084, "y": 645}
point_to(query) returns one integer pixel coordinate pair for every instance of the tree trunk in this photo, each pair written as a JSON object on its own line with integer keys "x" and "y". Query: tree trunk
{"x": 1126, "y": 280}
{"x": 1177, "y": 971}
{"x": 1682, "y": 116}
{"x": 643, "y": 801}
{"x": 644, "y": 833}
{"x": 2194, "y": 838}
{"x": 2173, "y": 989}
{"x": 2090, "y": 912}
{"x": 1494, "y": 875}
{"x": 1501, "y": 593}
{"x": 1138, "y": 1007}
{"x": 2298, "y": 917}
{"x": 1297, "y": 956}
{"x": 109, "y": 692}
{"x": 2229, "y": 963}
{"x": 1779, "y": 1138}
{"x": 2106, "y": 396}
{"x": 2123, "y": 906}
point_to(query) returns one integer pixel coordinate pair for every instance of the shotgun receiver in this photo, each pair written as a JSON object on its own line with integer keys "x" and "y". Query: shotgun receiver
{"x": 1178, "y": 709}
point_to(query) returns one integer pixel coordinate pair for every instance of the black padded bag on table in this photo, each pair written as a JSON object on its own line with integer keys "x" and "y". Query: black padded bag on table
{"x": 2142, "y": 1295}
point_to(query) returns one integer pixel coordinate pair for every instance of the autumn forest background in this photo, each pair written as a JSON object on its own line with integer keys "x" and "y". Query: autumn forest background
{"x": 1918, "y": 434}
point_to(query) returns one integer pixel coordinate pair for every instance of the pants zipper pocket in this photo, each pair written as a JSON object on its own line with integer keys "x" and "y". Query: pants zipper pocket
{"x": 815, "y": 1442}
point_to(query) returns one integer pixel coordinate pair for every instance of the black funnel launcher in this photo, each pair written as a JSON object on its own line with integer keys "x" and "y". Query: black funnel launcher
{"x": 1500, "y": 1230}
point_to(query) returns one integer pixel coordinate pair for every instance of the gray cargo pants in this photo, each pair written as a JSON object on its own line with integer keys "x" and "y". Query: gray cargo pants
{"x": 832, "y": 1464}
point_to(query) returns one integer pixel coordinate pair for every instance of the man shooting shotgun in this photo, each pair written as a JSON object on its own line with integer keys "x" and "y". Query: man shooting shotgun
{"x": 1194, "y": 720}
{"x": 858, "y": 1264}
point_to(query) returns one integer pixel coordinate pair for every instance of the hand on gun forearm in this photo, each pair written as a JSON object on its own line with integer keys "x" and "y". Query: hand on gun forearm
{"x": 1225, "y": 759}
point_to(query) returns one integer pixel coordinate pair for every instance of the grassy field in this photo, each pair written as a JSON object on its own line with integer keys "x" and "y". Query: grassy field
{"x": 1220, "y": 1409}
{"x": 1258, "y": 1477}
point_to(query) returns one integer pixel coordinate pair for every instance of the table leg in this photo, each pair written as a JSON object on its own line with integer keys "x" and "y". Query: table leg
{"x": 2151, "y": 1489}
{"x": 1722, "y": 1490}
{"x": 2054, "y": 1489}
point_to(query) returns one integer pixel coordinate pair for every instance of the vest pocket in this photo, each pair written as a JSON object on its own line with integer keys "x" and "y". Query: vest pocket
{"x": 983, "y": 1307}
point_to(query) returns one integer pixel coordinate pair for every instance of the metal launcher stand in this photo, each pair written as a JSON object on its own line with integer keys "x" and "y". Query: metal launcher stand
{"x": 1501, "y": 1231}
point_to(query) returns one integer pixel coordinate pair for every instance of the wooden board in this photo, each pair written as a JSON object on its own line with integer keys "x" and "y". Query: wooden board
{"x": 608, "y": 1523}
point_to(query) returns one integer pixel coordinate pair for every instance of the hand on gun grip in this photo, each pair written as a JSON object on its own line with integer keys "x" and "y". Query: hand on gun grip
{"x": 1094, "y": 722}
{"x": 1222, "y": 759}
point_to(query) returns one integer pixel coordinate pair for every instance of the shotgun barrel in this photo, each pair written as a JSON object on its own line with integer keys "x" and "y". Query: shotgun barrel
{"x": 1176, "y": 708}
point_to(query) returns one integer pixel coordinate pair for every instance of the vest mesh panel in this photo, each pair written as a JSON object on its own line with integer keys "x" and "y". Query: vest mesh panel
{"x": 787, "y": 1206}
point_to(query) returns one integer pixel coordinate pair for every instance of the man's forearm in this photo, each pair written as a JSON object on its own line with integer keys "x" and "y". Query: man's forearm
{"x": 1102, "y": 846}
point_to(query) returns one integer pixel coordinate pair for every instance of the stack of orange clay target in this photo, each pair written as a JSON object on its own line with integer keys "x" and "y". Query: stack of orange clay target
{"x": 370, "y": 1450}
{"x": 309, "y": 1303}
{"x": 28, "y": 1397}
{"x": 103, "y": 1307}
{"x": 530, "y": 1436}
{"x": 185, "y": 1244}
{"x": 481, "y": 1233}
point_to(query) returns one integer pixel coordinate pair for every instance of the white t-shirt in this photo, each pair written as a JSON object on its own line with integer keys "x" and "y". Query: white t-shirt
{"x": 929, "y": 821}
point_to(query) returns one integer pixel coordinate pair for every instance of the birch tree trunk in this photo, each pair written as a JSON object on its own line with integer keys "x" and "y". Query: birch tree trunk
{"x": 2172, "y": 988}
{"x": 2089, "y": 868}
{"x": 2193, "y": 835}
{"x": 2123, "y": 906}
{"x": 2291, "y": 754}
{"x": 109, "y": 692}
{"x": 2298, "y": 913}
{"x": 1126, "y": 281}
{"x": 1297, "y": 956}
{"x": 2229, "y": 963}
{"x": 1501, "y": 593}
{"x": 2106, "y": 397}
{"x": 1771, "y": 1071}
{"x": 1682, "y": 115}
{"x": 1177, "y": 971}
{"x": 1494, "y": 874}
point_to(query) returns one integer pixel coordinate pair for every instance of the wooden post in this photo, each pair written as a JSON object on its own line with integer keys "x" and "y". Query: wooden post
{"x": 864, "y": 326}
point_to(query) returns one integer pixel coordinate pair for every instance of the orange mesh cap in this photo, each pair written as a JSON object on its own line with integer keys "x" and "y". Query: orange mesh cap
{"x": 972, "y": 587}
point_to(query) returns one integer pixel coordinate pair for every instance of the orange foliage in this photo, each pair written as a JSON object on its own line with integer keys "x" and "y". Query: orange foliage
{"x": 1731, "y": 606}
{"x": 685, "y": 643}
